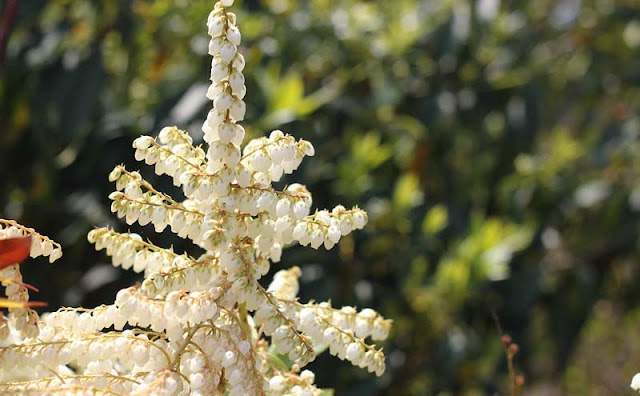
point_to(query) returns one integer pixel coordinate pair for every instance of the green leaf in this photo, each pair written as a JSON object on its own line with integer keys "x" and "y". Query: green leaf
{"x": 290, "y": 92}
{"x": 436, "y": 219}
{"x": 368, "y": 151}
{"x": 277, "y": 360}
{"x": 407, "y": 192}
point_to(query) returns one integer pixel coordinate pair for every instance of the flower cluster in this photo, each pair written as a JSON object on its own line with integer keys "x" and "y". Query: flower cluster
{"x": 21, "y": 317}
{"x": 40, "y": 245}
{"x": 204, "y": 325}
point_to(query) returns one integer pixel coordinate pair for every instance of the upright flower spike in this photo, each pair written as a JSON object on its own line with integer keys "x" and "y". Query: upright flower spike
{"x": 204, "y": 325}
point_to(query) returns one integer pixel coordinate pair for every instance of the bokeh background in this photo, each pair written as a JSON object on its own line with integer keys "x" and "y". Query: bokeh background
{"x": 495, "y": 145}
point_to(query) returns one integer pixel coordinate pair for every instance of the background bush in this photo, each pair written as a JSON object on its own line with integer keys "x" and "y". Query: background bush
{"x": 495, "y": 145}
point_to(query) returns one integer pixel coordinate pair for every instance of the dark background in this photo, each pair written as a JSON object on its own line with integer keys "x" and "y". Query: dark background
{"x": 495, "y": 145}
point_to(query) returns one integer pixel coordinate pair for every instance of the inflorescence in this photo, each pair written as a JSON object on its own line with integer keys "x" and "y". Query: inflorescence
{"x": 198, "y": 325}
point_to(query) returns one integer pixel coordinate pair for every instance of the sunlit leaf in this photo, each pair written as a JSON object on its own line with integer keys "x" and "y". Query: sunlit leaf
{"x": 435, "y": 220}
{"x": 407, "y": 192}
{"x": 6, "y": 303}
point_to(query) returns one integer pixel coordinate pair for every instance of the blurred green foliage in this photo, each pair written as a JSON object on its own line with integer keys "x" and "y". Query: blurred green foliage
{"x": 495, "y": 145}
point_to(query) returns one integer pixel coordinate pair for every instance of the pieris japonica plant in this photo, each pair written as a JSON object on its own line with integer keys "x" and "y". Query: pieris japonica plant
{"x": 202, "y": 325}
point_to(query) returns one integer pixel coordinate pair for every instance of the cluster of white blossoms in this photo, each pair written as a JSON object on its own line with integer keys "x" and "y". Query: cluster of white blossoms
{"x": 22, "y": 320}
{"x": 40, "y": 245}
{"x": 204, "y": 325}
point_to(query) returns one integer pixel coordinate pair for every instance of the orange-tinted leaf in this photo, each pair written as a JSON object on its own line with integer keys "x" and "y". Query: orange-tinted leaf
{"x": 5, "y": 303}
{"x": 28, "y": 286}
{"x": 14, "y": 250}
